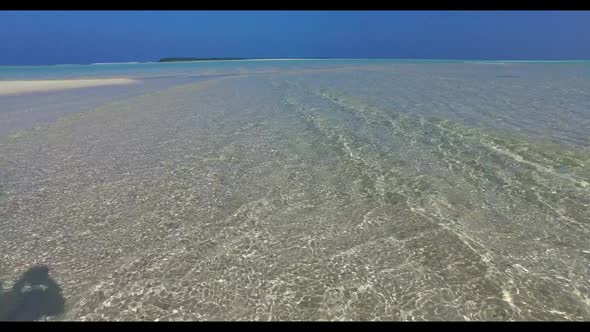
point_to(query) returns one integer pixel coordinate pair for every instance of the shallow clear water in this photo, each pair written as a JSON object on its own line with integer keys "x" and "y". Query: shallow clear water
{"x": 151, "y": 69}
{"x": 169, "y": 68}
{"x": 306, "y": 191}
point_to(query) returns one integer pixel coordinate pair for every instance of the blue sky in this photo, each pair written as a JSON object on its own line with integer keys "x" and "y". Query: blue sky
{"x": 51, "y": 37}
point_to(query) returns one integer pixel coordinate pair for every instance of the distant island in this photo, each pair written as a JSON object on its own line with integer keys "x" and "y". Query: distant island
{"x": 197, "y": 59}
{"x": 219, "y": 59}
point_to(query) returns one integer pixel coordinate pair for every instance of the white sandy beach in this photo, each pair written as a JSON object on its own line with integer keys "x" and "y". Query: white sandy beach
{"x": 20, "y": 87}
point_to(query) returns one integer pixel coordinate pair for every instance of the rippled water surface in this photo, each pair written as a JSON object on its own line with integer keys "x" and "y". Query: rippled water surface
{"x": 346, "y": 191}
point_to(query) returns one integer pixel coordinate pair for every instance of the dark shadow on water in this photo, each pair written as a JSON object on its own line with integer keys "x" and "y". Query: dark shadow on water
{"x": 34, "y": 295}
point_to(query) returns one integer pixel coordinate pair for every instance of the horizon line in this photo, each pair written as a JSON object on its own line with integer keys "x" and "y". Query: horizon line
{"x": 287, "y": 58}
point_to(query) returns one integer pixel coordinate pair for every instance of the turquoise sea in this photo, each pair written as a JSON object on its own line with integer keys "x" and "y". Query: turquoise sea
{"x": 155, "y": 69}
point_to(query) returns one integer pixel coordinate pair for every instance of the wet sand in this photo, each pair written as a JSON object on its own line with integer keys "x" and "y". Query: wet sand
{"x": 21, "y": 87}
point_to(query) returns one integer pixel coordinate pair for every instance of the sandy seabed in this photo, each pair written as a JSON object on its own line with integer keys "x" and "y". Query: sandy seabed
{"x": 404, "y": 192}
